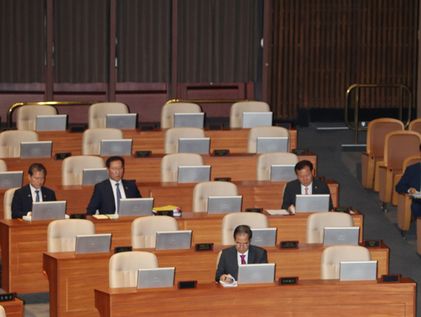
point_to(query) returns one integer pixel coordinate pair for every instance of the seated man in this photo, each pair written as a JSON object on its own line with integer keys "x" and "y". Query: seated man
{"x": 305, "y": 184}
{"x": 34, "y": 191}
{"x": 410, "y": 183}
{"x": 107, "y": 194}
{"x": 241, "y": 253}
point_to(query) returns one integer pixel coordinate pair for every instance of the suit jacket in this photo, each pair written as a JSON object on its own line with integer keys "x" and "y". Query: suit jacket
{"x": 103, "y": 196}
{"x": 228, "y": 263}
{"x": 22, "y": 200}
{"x": 410, "y": 178}
{"x": 293, "y": 188}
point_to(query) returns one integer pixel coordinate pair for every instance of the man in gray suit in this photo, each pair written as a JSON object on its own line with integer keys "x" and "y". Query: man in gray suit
{"x": 241, "y": 253}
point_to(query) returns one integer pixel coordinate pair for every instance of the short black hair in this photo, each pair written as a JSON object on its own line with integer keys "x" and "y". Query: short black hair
{"x": 303, "y": 164}
{"x": 243, "y": 229}
{"x": 37, "y": 167}
{"x": 113, "y": 159}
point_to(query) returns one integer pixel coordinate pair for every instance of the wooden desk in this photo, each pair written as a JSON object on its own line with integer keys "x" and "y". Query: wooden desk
{"x": 73, "y": 278}
{"x": 13, "y": 308}
{"x": 308, "y": 298}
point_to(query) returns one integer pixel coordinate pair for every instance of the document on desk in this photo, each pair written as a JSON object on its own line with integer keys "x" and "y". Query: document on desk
{"x": 229, "y": 284}
{"x": 278, "y": 212}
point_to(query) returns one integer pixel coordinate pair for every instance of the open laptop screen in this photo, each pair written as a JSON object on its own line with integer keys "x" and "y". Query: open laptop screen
{"x": 269, "y": 144}
{"x": 257, "y": 119}
{"x": 92, "y": 176}
{"x": 312, "y": 203}
{"x": 173, "y": 240}
{"x": 56, "y": 122}
{"x": 136, "y": 207}
{"x": 93, "y": 243}
{"x": 11, "y": 179}
{"x": 121, "y": 121}
{"x": 122, "y": 147}
{"x": 46, "y": 210}
{"x": 282, "y": 172}
{"x": 156, "y": 278}
{"x": 194, "y": 145}
{"x": 341, "y": 235}
{"x": 35, "y": 149}
{"x": 193, "y": 174}
{"x": 224, "y": 204}
{"x": 264, "y": 237}
{"x": 357, "y": 270}
{"x": 195, "y": 120}
{"x": 256, "y": 273}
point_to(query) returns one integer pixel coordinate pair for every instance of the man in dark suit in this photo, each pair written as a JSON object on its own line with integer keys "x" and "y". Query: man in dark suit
{"x": 241, "y": 253}
{"x": 34, "y": 191}
{"x": 410, "y": 183}
{"x": 107, "y": 194}
{"x": 305, "y": 184}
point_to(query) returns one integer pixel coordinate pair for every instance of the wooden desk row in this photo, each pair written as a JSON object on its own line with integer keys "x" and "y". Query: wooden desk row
{"x": 13, "y": 308}
{"x": 73, "y": 278}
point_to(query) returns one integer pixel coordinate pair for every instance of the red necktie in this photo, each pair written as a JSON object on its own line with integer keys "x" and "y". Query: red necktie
{"x": 243, "y": 258}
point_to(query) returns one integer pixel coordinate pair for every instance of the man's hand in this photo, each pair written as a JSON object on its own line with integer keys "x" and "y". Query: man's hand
{"x": 412, "y": 190}
{"x": 226, "y": 278}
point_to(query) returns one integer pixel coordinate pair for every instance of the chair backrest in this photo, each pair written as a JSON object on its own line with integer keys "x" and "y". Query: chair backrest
{"x": 168, "y": 110}
{"x": 266, "y": 160}
{"x": 237, "y": 109}
{"x": 410, "y": 161}
{"x": 171, "y": 162}
{"x": 62, "y": 233}
{"x": 91, "y": 141}
{"x": 2, "y": 311}
{"x": 333, "y": 255}
{"x": 173, "y": 134}
{"x": 7, "y": 202}
{"x": 10, "y": 141}
{"x": 72, "y": 168}
{"x": 203, "y": 190}
{"x": 415, "y": 125}
{"x": 144, "y": 230}
{"x": 26, "y": 116}
{"x": 376, "y": 134}
{"x": 254, "y": 133}
{"x": 398, "y": 146}
{"x": 317, "y": 221}
{"x": 3, "y": 166}
{"x": 123, "y": 267}
{"x": 98, "y": 113}
{"x": 231, "y": 221}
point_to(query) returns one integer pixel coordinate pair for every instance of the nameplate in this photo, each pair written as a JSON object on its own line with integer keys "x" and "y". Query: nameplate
{"x": 187, "y": 284}
{"x": 143, "y": 153}
{"x": 7, "y": 297}
{"x": 292, "y": 280}
{"x": 259, "y": 210}
{"x": 169, "y": 213}
{"x": 391, "y": 278}
{"x": 343, "y": 209}
{"x": 125, "y": 248}
{"x": 222, "y": 179}
{"x": 289, "y": 245}
{"x": 221, "y": 152}
{"x": 204, "y": 246}
{"x": 77, "y": 216}
{"x": 62, "y": 155}
{"x": 372, "y": 243}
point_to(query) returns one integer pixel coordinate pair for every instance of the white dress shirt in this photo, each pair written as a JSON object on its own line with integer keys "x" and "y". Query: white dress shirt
{"x": 120, "y": 187}
{"x": 309, "y": 189}
{"x": 34, "y": 194}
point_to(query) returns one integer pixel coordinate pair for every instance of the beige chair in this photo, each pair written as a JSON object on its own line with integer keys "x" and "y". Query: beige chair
{"x": 26, "y": 116}
{"x": 123, "y": 267}
{"x": 144, "y": 230}
{"x": 10, "y": 141}
{"x": 203, "y": 190}
{"x": 254, "y": 133}
{"x": 231, "y": 221}
{"x": 316, "y": 223}
{"x": 266, "y": 160}
{"x": 3, "y": 166}
{"x": 62, "y": 233}
{"x": 72, "y": 168}
{"x": 91, "y": 141}
{"x": 237, "y": 109}
{"x": 171, "y": 162}
{"x": 2, "y": 312}
{"x": 168, "y": 110}
{"x": 7, "y": 202}
{"x": 173, "y": 134}
{"x": 415, "y": 125}
{"x": 98, "y": 113}
{"x": 332, "y": 256}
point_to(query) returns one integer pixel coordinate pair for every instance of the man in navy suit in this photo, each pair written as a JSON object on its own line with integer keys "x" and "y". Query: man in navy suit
{"x": 107, "y": 194}
{"x": 410, "y": 183}
{"x": 34, "y": 191}
{"x": 305, "y": 184}
{"x": 241, "y": 253}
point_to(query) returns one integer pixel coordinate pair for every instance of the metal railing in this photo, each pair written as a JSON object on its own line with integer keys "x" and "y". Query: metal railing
{"x": 206, "y": 100}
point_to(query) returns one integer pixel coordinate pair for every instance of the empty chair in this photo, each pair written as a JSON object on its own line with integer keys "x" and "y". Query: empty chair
{"x": 266, "y": 160}
{"x": 91, "y": 141}
{"x": 62, "y": 233}
{"x": 173, "y": 134}
{"x": 2, "y": 312}
{"x": 72, "y": 168}
{"x": 231, "y": 221}
{"x": 98, "y": 113}
{"x": 332, "y": 256}
{"x": 316, "y": 223}
{"x": 7, "y": 202}
{"x": 3, "y": 166}
{"x": 144, "y": 230}
{"x": 237, "y": 109}
{"x": 123, "y": 267}
{"x": 10, "y": 141}
{"x": 26, "y": 116}
{"x": 171, "y": 162}
{"x": 264, "y": 132}
{"x": 415, "y": 125}
{"x": 203, "y": 190}
{"x": 168, "y": 110}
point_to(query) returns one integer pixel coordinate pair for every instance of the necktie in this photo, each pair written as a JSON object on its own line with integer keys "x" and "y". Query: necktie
{"x": 118, "y": 194}
{"x": 37, "y": 196}
{"x": 306, "y": 190}
{"x": 243, "y": 258}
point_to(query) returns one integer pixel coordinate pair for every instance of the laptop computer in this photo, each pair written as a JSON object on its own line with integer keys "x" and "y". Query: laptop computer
{"x": 173, "y": 240}
{"x": 11, "y": 179}
{"x": 56, "y": 122}
{"x": 93, "y": 243}
{"x": 48, "y": 210}
{"x": 156, "y": 278}
{"x": 282, "y": 172}
{"x": 312, "y": 203}
{"x": 92, "y": 176}
{"x": 193, "y": 174}
{"x": 256, "y": 273}
{"x": 357, "y": 270}
{"x": 270, "y": 144}
{"x": 257, "y": 119}
{"x": 264, "y": 237}
{"x": 224, "y": 204}
{"x": 341, "y": 235}
{"x": 36, "y": 149}
{"x": 122, "y": 147}
{"x": 125, "y": 121}
{"x": 136, "y": 207}
{"x": 194, "y": 145}
{"x": 195, "y": 120}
